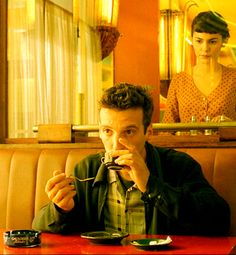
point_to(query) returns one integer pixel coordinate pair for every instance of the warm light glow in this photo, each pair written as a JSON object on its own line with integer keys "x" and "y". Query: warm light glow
{"x": 21, "y": 15}
{"x": 96, "y": 12}
{"x": 163, "y": 62}
{"x": 108, "y": 12}
{"x": 30, "y": 10}
{"x": 177, "y": 59}
{"x": 171, "y": 43}
{"x": 76, "y": 12}
{"x": 115, "y": 12}
{"x": 188, "y": 41}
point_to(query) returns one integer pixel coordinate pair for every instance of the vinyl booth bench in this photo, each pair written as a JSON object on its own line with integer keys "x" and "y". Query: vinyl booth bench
{"x": 25, "y": 169}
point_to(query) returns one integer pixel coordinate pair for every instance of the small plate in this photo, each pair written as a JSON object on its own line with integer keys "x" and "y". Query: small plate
{"x": 104, "y": 236}
{"x": 151, "y": 243}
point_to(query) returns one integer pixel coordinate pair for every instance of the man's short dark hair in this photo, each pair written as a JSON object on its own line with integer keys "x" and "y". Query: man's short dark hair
{"x": 124, "y": 96}
{"x": 210, "y": 22}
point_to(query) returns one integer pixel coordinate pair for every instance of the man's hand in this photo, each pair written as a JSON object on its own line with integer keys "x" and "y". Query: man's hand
{"x": 134, "y": 163}
{"x": 60, "y": 191}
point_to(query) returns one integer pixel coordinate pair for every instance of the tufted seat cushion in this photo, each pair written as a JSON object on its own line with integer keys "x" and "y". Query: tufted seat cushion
{"x": 24, "y": 172}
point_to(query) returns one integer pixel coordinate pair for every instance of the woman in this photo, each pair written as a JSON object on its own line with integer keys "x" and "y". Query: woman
{"x": 210, "y": 92}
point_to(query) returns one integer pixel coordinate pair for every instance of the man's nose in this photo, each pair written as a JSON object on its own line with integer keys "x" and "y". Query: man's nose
{"x": 116, "y": 145}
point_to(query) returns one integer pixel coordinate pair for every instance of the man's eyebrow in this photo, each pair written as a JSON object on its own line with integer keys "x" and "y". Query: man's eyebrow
{"x": 131, "y": 126}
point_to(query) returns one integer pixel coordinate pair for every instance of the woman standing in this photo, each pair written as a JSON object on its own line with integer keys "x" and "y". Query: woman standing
{"x": 210, "y": 91}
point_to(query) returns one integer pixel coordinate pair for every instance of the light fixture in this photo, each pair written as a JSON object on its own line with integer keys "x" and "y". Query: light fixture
{"x": 108, "y": 12}
{"x": 171, "y": 43}
{"x": 107, "y": 25}
{"x": 108, "y": 37}
{"x": 103, "y": 16}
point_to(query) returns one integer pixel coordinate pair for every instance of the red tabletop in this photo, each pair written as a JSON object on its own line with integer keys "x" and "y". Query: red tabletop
{"x": 74, "y": 244}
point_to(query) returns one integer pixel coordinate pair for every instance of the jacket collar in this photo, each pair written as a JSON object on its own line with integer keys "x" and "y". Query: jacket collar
{"x": 101, "y": 173}
{"x": 153, "y": 160}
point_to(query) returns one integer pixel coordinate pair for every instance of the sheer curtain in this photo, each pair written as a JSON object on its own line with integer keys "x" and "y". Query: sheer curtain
{"x": 55, "y": 53}
{"x": 41, "y": 66}
{"x": 54, "y": 65}
{"x": 89, "y": 74}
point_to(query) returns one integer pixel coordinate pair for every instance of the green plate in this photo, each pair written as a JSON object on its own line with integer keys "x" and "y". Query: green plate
{"x": 104, "y": 236}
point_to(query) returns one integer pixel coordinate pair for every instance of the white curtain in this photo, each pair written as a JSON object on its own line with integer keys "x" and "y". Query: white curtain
{"x": 89, "y": 75}
{"x": 54, "y": 66}
{"x": 55, "y": 53}
{"x": 41, "y": 53}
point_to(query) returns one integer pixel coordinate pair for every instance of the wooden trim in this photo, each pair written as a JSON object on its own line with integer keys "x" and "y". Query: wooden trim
{"x": 54, "y": 133}
{"x": 223, "y": 134}
{"x": 169, "y": 141}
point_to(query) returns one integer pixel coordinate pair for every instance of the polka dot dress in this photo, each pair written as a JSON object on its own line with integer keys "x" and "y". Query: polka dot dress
{"x": 185, "y": 100}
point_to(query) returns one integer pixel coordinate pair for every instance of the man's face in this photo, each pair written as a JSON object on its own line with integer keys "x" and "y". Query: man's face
{"x": 126, "y": 124}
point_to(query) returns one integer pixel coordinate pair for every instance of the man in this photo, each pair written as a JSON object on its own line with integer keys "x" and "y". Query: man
{"x": 157, "y": 191}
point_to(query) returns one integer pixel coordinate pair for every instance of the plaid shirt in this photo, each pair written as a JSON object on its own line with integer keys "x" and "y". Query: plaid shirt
{"x": 124, "y": 210}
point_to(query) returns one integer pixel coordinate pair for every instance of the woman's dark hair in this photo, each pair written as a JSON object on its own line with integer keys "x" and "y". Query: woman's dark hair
{"x": 212, "y": 23}
{"x": 124, "y": 96}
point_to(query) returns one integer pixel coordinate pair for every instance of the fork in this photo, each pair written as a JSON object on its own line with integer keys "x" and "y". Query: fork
{"x": 82, "y": 180}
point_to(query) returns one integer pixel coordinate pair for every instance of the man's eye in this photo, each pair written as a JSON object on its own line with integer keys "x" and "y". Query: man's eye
{"x": 130, "y": 132}
{"x": 106, "y": 131}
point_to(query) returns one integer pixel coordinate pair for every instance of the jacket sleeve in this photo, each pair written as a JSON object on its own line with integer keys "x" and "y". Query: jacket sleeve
{"x": 50, "y": 219}
{"x": 187, "y": 199}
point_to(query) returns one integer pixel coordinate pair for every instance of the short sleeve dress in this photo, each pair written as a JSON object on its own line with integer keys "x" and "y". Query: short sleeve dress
{"x": 185, "y": 100}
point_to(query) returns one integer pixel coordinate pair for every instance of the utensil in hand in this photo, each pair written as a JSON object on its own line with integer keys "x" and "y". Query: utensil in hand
{"x": 82, "y": 180}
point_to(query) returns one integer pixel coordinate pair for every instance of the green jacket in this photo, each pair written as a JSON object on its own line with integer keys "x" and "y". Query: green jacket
{"x": 178, "y": 200}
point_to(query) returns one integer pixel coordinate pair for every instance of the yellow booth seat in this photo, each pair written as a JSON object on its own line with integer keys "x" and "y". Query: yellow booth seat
{"x": 25, "y": 169}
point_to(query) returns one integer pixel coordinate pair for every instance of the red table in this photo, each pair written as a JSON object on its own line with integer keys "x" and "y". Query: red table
{"x": 74, "y": 244}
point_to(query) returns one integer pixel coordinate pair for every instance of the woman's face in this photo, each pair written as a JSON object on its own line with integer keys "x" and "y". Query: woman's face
{"x": 207, "y": 46}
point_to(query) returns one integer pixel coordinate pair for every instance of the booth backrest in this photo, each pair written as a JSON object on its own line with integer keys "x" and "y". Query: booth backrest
{"x": 25, "y": 171}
